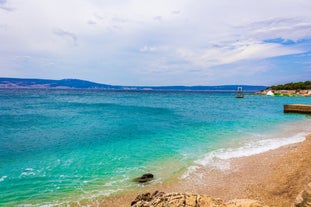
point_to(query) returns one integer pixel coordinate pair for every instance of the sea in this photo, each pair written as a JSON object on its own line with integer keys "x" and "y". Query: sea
{"x": 62, "y": 147}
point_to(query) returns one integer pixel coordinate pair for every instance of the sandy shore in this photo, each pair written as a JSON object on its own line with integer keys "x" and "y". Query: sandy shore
{"x": 274, "y": 177}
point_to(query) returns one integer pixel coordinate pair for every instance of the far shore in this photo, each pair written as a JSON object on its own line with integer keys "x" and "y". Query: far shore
{"x": 269, "y": 92}
{"x": 274, "y": 178}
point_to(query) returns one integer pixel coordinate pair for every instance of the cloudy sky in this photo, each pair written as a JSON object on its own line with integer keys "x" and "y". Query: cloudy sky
{"x": 157, "y": 42}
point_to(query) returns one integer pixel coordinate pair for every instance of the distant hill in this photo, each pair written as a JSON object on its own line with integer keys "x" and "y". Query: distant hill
{"x": 46, "y": 83}
{"x": 82, "y": 84}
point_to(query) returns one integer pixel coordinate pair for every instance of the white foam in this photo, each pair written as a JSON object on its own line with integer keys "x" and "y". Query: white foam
{"x": 43, "y": 205}
{"x": 251, "y": 148}
{"x": 220, "y": 159}
{"x": 189, "y": 171}
{"x": 91, "y": 195}
{"x": 88, "y": 196}
{"x": 29, "y": 169}
{"x": 102, "y": 193}
{"x": 3, "y": 178}
{"x": 116, "y": 182}
{"x": 27, "y": 174}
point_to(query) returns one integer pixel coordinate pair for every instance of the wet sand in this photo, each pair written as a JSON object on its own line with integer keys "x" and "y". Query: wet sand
{"x": 274, "y": 177}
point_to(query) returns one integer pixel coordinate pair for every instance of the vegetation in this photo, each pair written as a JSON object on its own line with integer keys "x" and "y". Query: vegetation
{"x": 293, "y": 86}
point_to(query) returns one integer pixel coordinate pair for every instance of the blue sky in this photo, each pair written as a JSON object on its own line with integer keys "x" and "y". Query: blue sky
{"x": 157, "y": 42}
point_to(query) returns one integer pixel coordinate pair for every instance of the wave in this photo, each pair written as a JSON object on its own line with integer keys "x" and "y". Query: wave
{"x": 220, "y": 159}
{"x": 88, "y": 197}
{"x": 3, "y": 178}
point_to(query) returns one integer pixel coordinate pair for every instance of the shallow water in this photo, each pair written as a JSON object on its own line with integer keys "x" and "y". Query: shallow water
{"x": 59, "y": 146}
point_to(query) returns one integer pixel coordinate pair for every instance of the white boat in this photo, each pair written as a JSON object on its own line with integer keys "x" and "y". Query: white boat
{"x": 270, "y": 93}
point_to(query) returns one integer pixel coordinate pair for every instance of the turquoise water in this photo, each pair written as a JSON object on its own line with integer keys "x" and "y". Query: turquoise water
{"x": 60, "y": 146}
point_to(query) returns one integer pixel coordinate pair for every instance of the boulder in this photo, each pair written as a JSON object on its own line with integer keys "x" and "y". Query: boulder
{"x": 161, "y": 199}
{"x": 304, "y": 198}
{"x": 144, "y": 178}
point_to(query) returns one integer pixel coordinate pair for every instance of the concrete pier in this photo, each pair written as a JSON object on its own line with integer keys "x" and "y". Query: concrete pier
{"x": 297, "y": 108}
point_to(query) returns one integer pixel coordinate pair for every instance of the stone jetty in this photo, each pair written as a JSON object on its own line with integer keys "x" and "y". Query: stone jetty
{"x": 297, "y": 108}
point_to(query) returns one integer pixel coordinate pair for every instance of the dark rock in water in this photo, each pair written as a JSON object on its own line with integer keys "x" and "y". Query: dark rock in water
{"x": 148, "y": 175}
{"x": 144, "y": 178}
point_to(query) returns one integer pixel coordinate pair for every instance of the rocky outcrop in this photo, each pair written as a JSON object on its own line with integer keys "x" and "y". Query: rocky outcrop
{"x": 245, "y": 203}
{"x": 160, "y": 199}
{"x": 304, "y": 198}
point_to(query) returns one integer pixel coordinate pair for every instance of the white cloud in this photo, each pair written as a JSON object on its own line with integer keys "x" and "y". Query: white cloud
{"x": 148, "y": 49}
{"x": 235, "y": 52}
{"x": 286, "y": 28}
{"x": 91, "y": 22}
{"x": 200, "y": 35}
{"x": 66, "y": 35}
{"x": 4, "y": 6}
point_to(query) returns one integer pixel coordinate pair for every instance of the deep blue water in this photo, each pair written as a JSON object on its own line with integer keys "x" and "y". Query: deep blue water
{"x": 58, "y": 146}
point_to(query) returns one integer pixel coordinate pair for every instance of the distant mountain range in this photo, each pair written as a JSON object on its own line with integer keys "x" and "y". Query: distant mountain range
{"x": 10, "y": 83}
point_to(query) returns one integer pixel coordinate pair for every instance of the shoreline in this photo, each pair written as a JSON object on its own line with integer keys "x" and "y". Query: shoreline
{"x": 274, "y": 177}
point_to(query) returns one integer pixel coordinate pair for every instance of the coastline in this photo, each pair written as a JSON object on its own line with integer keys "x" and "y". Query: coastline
{"x": 274, "y": 177}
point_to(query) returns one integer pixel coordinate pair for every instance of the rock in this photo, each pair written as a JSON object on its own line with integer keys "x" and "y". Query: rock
{"x": 160, "y": 199}
{"x": 148, "y": 175}
{"x": 146, "y": 197}
{"x": 144, "y": 178}
{"x": 244, "y": 203}
{"x": 304, "y": 198}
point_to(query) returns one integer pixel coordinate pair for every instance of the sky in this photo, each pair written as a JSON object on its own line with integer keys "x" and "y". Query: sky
{"x": 157, "y": 42}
